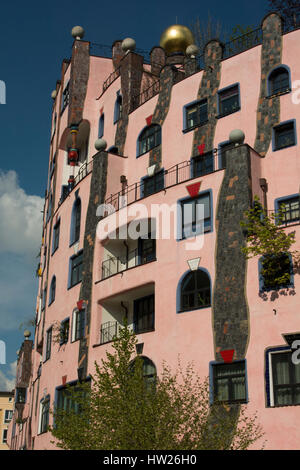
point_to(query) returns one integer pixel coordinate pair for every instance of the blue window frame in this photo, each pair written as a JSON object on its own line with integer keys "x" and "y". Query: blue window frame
{"x": 284, "y": 135}
{"x": 228, "y": 382}
{"x": 290, "y": 208}
{"x": 202, "y": 164}
{"x": 78, "y": 325}
{"x": 190, "y": 220}
{"x": 48, "y": 344}
{"x": 75, "y": 269}
{"x": 194, "y": 291}
{"x": 282, "y": 377}
{"x": 152, "y": 184}
{"x": 146, "y": 249}
{"x": 101, "y": 126}
{"x": 229, "y": 100}
{"x": 55, "y": 239}
{"x": 65, "y": 97}
{"x": 75, "y": 221}
{"x": 149, "y": 138}
{"x": 279, "y": 80}
{"x": 195, "y": 114}
{"x": 276, "y": 266}
{"x": 143, "y": 314}
{"x": 118, "y": 108}
{"x": 52, "y": 290}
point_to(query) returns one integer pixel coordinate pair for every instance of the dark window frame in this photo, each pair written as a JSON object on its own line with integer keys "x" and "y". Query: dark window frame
{"x": 201, "y": 114}
{"x": 280, "y": 132}
{"x": 64, "y": 331}
{"x": 214, "y": 382}
{"x": 150, "y": 138}
{"x": 268, "y": 286}
{"x": 292, "y": 383}
{"x": 289, "y": 200}
{"x": 144, "y": 316}
{"x": 157, "y": 181}
{"x": 45, "y": 412}
{"x": 8, "y": 414}
{"x": 207, "y": 220}
{"x": 79, "y": 318}
{"x": 52, "y": 291}
{"x": 56, "y": 232}
{"x": 76, "y": 264}
{"x": 206, "y": 290}
{"x": 284, "y": 85}
{"x": 223, "y": 98}
{"x": 48, "y": 344}
{"x": 203, "y": 164}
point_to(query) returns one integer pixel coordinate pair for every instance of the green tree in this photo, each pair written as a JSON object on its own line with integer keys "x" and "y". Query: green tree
{"x": 123, "y": 410}
{"x": 267, "y": 238}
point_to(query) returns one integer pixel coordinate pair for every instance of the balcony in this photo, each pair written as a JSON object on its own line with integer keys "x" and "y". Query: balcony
{"x": 116, "y": 264}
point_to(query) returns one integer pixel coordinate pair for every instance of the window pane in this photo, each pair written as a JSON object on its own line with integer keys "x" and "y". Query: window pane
{"x": 203, "y": 164}
{"x": 284, "y": 136}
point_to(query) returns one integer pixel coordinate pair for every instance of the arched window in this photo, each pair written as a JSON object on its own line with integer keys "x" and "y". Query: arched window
{"x": 149, "y": 370}
{"x": 75, "y": 221}
{"x": 195, "y": 291}
{"x": 101, "y": 126}
{"x": 149, "y": 138}
{"x": 52, "y": 290}
{"x": 118, "y": 108}
{"x": 279, "y": 81}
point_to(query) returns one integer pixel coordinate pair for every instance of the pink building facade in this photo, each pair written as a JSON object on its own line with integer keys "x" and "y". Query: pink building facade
{"x": 166, "y": 122}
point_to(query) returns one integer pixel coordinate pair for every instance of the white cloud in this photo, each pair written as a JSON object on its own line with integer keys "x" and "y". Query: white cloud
{"x": 8, "y": 379}
{"x": 20, "y": 238}
{"x": 20, "y": 216}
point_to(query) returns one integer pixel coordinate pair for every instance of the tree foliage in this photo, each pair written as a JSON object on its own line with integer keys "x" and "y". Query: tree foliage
{"x": 267, "y": 238}
{"x": 121, "y": 410}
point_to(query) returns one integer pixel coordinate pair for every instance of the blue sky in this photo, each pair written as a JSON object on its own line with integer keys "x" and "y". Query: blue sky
{"x": 35, "y": 39}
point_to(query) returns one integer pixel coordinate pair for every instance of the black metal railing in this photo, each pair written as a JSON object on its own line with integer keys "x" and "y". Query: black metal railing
{"x": 242, "y": 43}
{"x": 198, "y": 166}
{"x": 108, "y": 331}
{"x": 84, "y": 170}
{"x": 116, "y": 264}
{"x": 111, "y": 78}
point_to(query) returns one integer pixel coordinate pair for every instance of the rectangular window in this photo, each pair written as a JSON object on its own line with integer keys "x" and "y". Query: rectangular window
{"x": 229, "y": 101}
{"x": 153, "y": 184}
{"x": 284, "y": 136}
{"x": 64, "y": 331}
{"x": 147, "y": 249}
{"x": 44, "y": 298}
{"x": 76, "y": 269}
{"x": 44, "y": 415}
{"x": 48, "y": 344}
{"x": 65, "y": 401}
{"x": 203, "y": 164}
{"x": 191, "y": 215}
{"x": 8, "y": 416}
{"x": 286, "y": 379}
{"x": 4, "y": 436}
{"x": 290, "y": 208}
{"x": 196, "y": 114}
{"x": 229, "y": 382}
{"x": 78, "y": 324}
{"x": 144, "y": 314}
{"x": 65, "y": 98}
{"x": 56, "y": 230}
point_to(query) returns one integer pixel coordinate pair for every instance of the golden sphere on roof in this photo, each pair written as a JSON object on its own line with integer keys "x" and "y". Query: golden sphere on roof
{"x": 176, "y": 38}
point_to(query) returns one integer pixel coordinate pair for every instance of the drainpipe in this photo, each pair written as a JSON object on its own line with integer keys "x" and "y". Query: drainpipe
{"x": 127, "y": 253}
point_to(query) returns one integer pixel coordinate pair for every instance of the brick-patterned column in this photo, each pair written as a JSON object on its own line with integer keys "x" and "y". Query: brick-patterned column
{"x": 209, "y": 89}
{"x": 268, "y": 110}
{"x": 97, "y": 196}
{"x": 162, "y": 109}
{"x": 131, "y": 71}
{"x": 80, "y": 65}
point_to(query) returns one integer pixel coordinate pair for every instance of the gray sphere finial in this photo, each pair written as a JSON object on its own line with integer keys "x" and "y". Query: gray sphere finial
{"x": 128, "y": 44}
{"x": 77, "y": 32}
{"x": 237, "y": 137}
{"x": 100, "y": 144}
{"x": 192, "y": 50}
{"x": 53, "y": 94}
{"x": 27, "y": 334}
